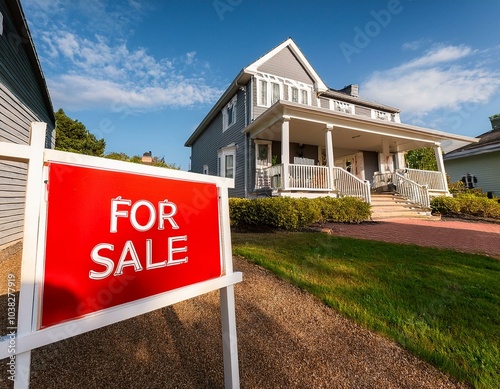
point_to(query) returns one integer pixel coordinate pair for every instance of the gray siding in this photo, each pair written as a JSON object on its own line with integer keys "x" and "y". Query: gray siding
{"x": 22, "y": 101}
{"x": 484, "y": 166}
{"x": 16, "y": 71}
{"x": 285, "y": 64}
{"x": 363, "y": 111}
{"x": 205, "y": 149}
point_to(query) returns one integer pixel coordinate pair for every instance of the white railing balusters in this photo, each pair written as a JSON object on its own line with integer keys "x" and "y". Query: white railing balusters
{"x": 348, "y": 184}
{"x": 416, "y": 193}
{"x": 434, "y": 180}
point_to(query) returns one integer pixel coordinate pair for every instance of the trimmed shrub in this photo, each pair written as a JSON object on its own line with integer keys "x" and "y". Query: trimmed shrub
{"x": 467, "y": 204}
{"x": 295, "y": 213}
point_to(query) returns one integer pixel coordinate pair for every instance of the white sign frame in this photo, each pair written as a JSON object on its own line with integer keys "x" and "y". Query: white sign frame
{"x": 28, "y": 337}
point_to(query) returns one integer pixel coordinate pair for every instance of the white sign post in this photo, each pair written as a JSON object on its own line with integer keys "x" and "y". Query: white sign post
{"x": 166, "y": 230}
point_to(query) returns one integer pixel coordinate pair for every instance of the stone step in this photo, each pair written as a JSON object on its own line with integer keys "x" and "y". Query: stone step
{"x": 390, "y": 205}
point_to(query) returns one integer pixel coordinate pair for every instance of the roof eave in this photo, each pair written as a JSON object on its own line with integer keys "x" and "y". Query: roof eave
{"x": 240, "y": 80}
{"x": 286, "y": 106}
{"x": 20, "y": 19}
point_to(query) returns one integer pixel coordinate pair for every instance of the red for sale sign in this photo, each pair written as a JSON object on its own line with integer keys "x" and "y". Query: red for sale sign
{"x": 116, "y": 237}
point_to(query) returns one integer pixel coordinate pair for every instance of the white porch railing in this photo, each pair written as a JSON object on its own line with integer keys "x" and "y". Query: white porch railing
{"x": 416, "y": 193}
{"x": 348, "y": 184}
{"x": 312, "y": 178}
{"x": 308, "y": 177}
{"x": 433, "y": 180}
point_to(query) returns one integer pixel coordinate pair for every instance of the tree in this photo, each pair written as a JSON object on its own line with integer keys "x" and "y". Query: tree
{"x": 157, "y": 161}
{"x": 72, "y": 136}
{"x": 423, "y": 159}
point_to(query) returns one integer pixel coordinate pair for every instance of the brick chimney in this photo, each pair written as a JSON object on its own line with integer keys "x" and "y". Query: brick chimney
{"x": 352, "y": 90}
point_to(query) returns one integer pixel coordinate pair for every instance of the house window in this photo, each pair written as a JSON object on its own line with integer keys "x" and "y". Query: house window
{"x": 229, "y": 166}
{"x": 268, "y": 91}
{"x": 276, "y": 92}
{"x": 299, "y": 93}
{"x": 263, "y": 92}
{"x": 304, "y": 97}
{"x": 229, "y": 114}
{"x": 227, "y": 161}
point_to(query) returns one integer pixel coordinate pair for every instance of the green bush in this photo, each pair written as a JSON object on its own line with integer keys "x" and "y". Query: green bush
{"x": 295, "y": 213}
{"x": 467, "y": 204}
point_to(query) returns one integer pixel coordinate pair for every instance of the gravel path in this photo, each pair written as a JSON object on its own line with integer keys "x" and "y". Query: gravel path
{"x": 286, "y": 339}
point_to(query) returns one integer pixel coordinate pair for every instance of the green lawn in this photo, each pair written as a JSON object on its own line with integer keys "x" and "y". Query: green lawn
{"x": 442, "y": 305}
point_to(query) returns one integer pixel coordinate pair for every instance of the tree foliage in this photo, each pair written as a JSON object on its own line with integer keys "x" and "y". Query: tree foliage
{"x": 72, "y": 136}
{"x": 157, "y": 161}
{"x": 423, "y": 159}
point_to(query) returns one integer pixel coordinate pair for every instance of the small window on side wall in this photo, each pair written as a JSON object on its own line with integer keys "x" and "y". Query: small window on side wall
{"x": 227, "y": 161}
{"x": 229, "y": 114}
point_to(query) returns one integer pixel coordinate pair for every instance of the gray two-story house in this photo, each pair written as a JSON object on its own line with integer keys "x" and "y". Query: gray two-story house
{"x": 24, "y": 99}
{"x": 279, "y": 130}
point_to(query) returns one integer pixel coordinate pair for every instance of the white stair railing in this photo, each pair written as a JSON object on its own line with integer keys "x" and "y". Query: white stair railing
{"x": 416, "y": 193}
{"x": 433, "y": 180}
{"x": 348, "y": 184}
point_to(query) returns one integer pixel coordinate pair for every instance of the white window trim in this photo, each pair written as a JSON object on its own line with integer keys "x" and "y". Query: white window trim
{"x": 225, "y": 115}
{"x": 270, "y": 79}
{"x": 301, "y": 87}
{"x": 221, "y": 159}
{"x": 267, "y": 143}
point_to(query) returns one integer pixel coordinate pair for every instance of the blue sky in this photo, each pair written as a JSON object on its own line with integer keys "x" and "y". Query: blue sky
{"x": 143, "y": 74}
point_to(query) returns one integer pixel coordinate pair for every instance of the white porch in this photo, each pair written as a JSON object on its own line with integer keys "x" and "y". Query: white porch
{"x": 310, "y": 152}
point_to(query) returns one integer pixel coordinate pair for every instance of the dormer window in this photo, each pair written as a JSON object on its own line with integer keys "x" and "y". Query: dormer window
{"x": 229, "y": 114}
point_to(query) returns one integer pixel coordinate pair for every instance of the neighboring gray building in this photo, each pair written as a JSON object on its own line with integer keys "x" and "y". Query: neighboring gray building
{"x": 279, "y": 130}
{"x": 24, "y": 98}
{"x": 480, "y": 160}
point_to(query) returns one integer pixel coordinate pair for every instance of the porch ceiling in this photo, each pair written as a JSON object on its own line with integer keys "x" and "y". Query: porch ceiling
{"x": 351, "y": 132}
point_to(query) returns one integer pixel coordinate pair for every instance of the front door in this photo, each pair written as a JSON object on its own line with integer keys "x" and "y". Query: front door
{"x": 263, "y": 160}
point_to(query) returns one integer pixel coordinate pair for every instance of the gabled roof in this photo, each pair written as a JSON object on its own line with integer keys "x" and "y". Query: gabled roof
{"x": 488, "y": 142}
{"x": 247, "y": 72}
{"x": 318, "y": 83}
{"x": 244, "y": 76}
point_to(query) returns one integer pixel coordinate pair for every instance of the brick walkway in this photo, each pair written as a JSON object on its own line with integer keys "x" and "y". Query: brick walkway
{"x": 474, "y": 237}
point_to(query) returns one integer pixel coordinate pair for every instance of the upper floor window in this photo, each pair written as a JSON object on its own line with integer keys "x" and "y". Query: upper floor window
{"x": 299, "y": 92}
{"x": 269, "y": 90}
{"x": 229, "y": 114}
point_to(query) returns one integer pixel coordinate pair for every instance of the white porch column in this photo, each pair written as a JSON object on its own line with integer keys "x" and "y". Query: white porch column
{"x": 400, "y": 160}
{"x": 330, "y": 161}
{"x": 384, "y": 158}
{"x": 285, "y": 150}
{"x": 440, "y": 164}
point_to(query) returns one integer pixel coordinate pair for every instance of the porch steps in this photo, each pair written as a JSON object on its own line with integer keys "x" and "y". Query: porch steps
{"x": 391, "y": 205}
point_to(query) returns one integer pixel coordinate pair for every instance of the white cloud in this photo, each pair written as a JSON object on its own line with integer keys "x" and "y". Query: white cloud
{"x": 446, "y": 77}
{"x": 100, "y": 70}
